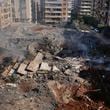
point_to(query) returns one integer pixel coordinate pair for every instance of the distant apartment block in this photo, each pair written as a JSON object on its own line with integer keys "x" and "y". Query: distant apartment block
{"x": 75, "y": 6}
{"x": 86, "y": 7}
{"x": 5, "y": 13}
{"x": 21, "y": 10}
{"x": 57, "y": 11}
{"x": 38, "y": 11}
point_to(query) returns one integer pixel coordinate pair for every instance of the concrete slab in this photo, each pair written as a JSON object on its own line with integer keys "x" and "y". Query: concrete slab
{"x": 11, "y": 72}
{"x": 45, "y": 67}
{"x": 55, "y": 69}
{"x": 21, "y": 70}
{"x": 34, "y": 65}
{"x": 16, "y": 65}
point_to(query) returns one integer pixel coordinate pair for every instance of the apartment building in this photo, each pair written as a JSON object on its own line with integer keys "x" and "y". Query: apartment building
{"x": 5, "y": 13}
{"x": 57, "y": 11}
{"x": 86, "y": 7}
{"x": 21, "y": 10}
{"x": 75, "y": 6}
{"x": 38, "y": 11}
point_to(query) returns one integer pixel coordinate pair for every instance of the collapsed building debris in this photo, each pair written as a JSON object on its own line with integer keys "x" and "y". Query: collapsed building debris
{"x": 11, "y": 72}
{"x": 53, "y": 72}
{"x": 55, "y": 69}
{"x": 45, "y": 67}
{"x": 22, "y": 69}
{"x": 34, "y": 65}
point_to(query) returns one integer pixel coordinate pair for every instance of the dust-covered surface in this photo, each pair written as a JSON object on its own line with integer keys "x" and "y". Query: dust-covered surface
{"x": 52, "y": 68}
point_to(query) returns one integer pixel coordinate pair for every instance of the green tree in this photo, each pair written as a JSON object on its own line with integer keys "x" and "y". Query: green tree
{"x": 89, "y": 20}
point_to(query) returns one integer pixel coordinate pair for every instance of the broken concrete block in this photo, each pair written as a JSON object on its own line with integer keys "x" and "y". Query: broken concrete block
{"x": 11, "y": 72}
{"x": 39, "y": 57}
{"x": 7, "y": 70}
{"x": 68, "y": 72}
{"x": 16, "y": 66}
{"x": 30, "y": 74}
{"x": 21, "y": 70}
{"x": 5, "y": 73}
{"x": 34, "y": 65}
{"x": 55, "y": 69}
{"x": 45, "y": 67}
{"x": 9, "y": 67}
{"x": 11, "y": 84}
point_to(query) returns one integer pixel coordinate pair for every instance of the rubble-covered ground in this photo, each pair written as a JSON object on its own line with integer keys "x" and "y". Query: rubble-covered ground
{"x": 53, "y": 68}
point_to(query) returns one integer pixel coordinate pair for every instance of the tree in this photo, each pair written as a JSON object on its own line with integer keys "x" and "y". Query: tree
{"x": 89, "y": 20}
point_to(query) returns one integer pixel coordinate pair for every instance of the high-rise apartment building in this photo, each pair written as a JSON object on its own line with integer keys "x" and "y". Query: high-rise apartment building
{"x": 75, "y": 6}
{"x": 21, "y": 10}
{"x": 5, "y": 13}
{"x": 38, "y": 10}
{"x": 57, "y": 11}
{"x": 86, "y": 7}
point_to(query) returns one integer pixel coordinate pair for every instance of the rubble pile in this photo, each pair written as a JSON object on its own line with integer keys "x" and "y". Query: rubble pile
{"x": 37, "y": 65}
{"x": 69, "y": 81}
{"x": 52, "y": 70}
{"x": 72, "y": 97}
{"x": 43, "y": 68}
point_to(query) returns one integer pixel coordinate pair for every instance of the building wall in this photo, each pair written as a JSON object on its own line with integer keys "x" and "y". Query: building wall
{"x": 21, "y": 11}
{"x": 75, "y": 6}
{"x": 57, "y": 11}
{"x": 5, "y": 13}
{"x": 38, "y": 10}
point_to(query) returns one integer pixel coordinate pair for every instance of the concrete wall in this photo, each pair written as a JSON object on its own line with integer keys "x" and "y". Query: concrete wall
{"x": 22, "y": 11}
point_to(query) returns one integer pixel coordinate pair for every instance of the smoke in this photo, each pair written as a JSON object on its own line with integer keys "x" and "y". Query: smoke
{"x": 1, "y": 1}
